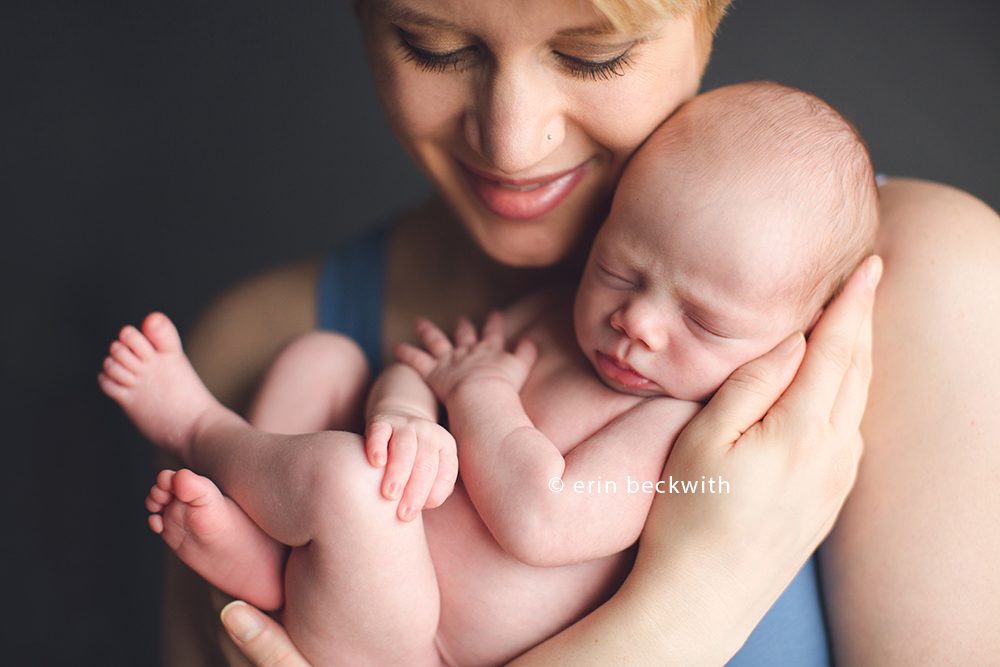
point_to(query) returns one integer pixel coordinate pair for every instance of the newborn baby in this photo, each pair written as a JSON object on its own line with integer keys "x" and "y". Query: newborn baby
{"x": 732, "y": 227}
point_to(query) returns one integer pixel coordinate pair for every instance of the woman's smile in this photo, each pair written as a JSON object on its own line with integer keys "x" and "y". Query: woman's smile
{"x": 525, "y": 198}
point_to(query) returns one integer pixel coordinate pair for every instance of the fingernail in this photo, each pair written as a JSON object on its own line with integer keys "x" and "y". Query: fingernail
{"x": 240, "y": 621}
{"x": 405, "y": 513}
{"x": 790, "y": 344}
{"x": 392, "y": 490}
{"x": 378, "y": 460}
{"x": 873, "y": 271}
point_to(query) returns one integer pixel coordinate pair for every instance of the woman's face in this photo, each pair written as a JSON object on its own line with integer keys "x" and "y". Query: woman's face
{"x": 523, "y": 113}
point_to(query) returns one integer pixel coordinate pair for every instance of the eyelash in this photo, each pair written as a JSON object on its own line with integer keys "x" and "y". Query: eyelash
{"x": 428, "y": 61}
{"x": 623, "y": 283}
{"x": 702, "y": 327}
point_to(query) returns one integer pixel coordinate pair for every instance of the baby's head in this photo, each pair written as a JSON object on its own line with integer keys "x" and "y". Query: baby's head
{"x": 732, "y": 227}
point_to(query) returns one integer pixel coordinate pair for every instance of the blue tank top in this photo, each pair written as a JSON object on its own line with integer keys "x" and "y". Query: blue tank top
{"x": 349, "y": 294}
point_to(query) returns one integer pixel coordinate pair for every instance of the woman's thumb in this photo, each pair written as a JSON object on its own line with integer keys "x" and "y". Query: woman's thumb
{"x": 746, "y": 396}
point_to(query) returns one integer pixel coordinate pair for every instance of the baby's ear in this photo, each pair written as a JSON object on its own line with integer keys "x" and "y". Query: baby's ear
{"x": 813, "y": 321}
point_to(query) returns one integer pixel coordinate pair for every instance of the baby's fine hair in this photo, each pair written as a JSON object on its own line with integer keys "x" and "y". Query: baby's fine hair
{"x": 790, "y": 144}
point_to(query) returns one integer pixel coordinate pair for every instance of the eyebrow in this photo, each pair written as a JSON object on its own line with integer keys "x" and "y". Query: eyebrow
{"x": 399, "y": 12}
{"x": 410, "y": 15}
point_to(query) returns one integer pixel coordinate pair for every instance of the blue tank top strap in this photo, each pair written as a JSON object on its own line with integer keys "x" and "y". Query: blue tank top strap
{"x": 350, "y": 293}
{"x": 793, "y": 631}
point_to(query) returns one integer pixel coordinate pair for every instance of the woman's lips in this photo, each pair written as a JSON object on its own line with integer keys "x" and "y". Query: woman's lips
{"x": 620, "y": 373}
{"x": 527, "y": 198}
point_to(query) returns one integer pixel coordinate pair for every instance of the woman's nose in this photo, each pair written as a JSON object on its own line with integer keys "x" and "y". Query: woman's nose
{"x": 639, "y": 322}
{"x": 515, "y": 121}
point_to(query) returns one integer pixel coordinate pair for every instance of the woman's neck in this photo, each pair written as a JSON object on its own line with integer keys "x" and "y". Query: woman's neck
{"x": 468, "y": 268}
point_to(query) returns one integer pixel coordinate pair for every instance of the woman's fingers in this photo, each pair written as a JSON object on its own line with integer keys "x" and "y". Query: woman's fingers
{"x": 433, "y": 339}
{"x": 747, "y": 395}
{"x": 262, "y": 640}
{"x": 832, "y": 346}
{"x": 849, "y": 407}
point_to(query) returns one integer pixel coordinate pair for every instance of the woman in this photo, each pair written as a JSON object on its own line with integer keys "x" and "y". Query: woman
{"x": 522, "y": 115}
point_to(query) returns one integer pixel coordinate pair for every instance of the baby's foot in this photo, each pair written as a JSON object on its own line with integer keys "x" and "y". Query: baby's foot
{"x": 215, "y": 537}
{"x": 150, "y": 377}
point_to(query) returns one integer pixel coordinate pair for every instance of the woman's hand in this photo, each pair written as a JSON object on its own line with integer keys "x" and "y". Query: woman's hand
{"x": 709, "y": 566}
{"x": 789, "y": 451}
{"x": 261, "y": 639}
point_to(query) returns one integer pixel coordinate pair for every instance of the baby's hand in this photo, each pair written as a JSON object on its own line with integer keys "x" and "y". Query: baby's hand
{"x": 445, "y": 366}
{"x": 421, "y": 464}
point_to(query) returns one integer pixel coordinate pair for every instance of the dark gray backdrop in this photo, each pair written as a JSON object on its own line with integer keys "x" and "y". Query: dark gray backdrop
{"x": 153, "y": 153}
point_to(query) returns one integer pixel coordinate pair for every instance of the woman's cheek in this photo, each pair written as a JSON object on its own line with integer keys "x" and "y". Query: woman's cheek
{"x": 423, "y": 105}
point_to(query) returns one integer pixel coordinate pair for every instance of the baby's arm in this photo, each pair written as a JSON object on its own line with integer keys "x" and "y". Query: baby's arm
{"x": 543, "y": 508}
{"x": 403, "y": 435}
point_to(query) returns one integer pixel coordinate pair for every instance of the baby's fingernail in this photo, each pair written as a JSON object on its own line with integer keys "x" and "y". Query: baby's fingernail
{"x": 378, "y": 459}
{"x": 240, "y": 621}
{"x": 392, "y": 489}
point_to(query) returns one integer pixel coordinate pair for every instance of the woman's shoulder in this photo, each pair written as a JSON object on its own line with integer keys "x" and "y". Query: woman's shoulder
{"x": 921, "y": 219}
{"x": 247, "y": 324}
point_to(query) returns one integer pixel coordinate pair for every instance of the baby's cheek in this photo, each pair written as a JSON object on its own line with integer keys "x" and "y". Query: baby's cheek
{"x": 704, "y": 374}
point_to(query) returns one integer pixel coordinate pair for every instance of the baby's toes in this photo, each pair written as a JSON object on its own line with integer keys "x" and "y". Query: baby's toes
{"x": 124, "y": 356}
{"x": 136, "y": 342}
{"x": 193, "y": 489}
{"x": 118, "y": 373}
{"x": 157, "y": 498}
{"x": 113, "y": 389}
{"x": 161, "y": 332}
{"x": 156, "y": 523}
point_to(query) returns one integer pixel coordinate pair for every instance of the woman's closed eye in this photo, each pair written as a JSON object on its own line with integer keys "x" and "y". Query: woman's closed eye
{"x": 596, "y": 69}
{"x": 456, "y": 60}
{"x": 460, "y": 59}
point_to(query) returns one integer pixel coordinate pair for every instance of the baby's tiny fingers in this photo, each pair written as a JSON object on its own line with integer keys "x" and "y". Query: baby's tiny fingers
{"x": 425, "y": 468}
{"x": 526, "y": 351}
{"x": 377, "y": 443}
{"x": 402, "y": 452}
{"x": 493, "y": 328}
{"x": 415, "y": 358}
{"x": 465, "y": 333}
{"x": 433, "y": 338}
{"x": 444, "y": 483}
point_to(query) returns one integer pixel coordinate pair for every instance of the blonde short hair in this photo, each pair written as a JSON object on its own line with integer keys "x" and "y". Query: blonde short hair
{"x": 630, "y": 14}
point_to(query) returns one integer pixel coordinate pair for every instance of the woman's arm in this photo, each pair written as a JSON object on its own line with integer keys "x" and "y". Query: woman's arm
{"x": 908, "y": 573}
{"x": 231, "y": 347}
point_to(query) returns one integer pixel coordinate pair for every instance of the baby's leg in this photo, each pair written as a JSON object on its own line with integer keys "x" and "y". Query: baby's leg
{"x": 149, "y": 375}
{"x": 363, "y": 591}
{"x": 216, "y": 538}
{"x": 318, "y": 382}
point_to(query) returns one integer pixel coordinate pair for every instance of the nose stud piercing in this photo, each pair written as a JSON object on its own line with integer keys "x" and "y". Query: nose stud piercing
{"x": 549, "y": 137}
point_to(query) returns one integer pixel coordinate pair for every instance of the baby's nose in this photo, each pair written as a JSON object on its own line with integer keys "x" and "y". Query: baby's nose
{"x": 639, "y": 323}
